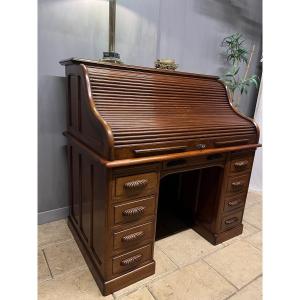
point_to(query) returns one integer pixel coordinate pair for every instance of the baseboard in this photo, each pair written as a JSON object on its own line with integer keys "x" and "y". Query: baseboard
{"x": 53, "y": 215}
{"x": 254, "y": 190}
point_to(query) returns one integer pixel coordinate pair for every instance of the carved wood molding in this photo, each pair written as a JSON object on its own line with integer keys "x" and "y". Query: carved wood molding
{"x": 131, "y": 260}
{"x": 135, "y": 211}
{"x": 136, "y": 184}
{"x": 237, "y": 185}
{"x": 241, "y": 165}
{"x": 234, "y": 202}
{"x": 133, "y": 237}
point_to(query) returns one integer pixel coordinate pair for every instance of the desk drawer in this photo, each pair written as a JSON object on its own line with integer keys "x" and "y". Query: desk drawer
{"x": 232, "y": 220}
{"x": 134, "y": 210}
{"x": 182, "y": 162}
{"x": 241, "y": 164}
{"x": 235, "y": 202}
{"x": 238, "y": 184}
{"x": 132, "y": 260}
{"x": 133, "y": 236}
{"x": 136, "y": 185}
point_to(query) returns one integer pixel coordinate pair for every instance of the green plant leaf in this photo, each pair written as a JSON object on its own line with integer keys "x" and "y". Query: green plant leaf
{"x": 236, "y": 71}
{"x": 236, "y": 54}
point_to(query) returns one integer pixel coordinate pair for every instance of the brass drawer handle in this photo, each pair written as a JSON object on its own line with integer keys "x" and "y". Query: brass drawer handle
{"x": 234, "y": 202}
{"x": 136, "y": 184}
{"x": 135, "y": 211}
{"x": 133, "y": 237}
{"x": 231, "y": 221}
{"x": 131, "y": 260}
{"x": 241, "y": 165}
{"x": 237, "y": 185}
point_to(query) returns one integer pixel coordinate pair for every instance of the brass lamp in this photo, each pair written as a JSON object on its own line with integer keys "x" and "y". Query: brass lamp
{"x": 110, "y": 55}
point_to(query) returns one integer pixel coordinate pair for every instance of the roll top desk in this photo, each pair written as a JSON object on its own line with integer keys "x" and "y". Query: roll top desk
{"x": 143, "y": 144}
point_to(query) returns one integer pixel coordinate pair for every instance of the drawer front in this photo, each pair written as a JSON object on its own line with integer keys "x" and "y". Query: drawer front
{"x": 136, "y": 185}
{"x": 238, "y": 184}
{"x": 177, "y": 163}
{"x": 235, "y": 202}
{"x": 231, "y": 220}
{"x": 132, "y": 260}
{"x": 241, "y": 164}
{"x": 133, "y": 236}
{"x": 134, "y": 210}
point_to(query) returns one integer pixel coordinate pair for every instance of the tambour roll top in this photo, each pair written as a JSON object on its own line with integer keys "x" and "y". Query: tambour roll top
{"x": 125, "y": 111}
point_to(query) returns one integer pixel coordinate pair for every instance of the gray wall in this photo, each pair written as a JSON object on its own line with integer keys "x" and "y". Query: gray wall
{"x": 256, "y": 176}
{"x": 189, "y": 31}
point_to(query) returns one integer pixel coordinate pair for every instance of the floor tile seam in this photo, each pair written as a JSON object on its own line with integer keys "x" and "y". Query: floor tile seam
{"x": 156, "y": 278}
{"x": 244, "y": 221}
{"x": 216, "y": 250}
{"x": 170, "y": 258}
{"x": 224, "y": 246}
{"x": 152, "y": 294}
{"x": 241, "y": 240}
{"x": 41, "y": 282}
{"x": 161, "y": 276}
{"x": 243, "y": 287}
{"x": 198, "y": 259}
{"x": 47, "y": 245}
{"x": 226, "y": 279}
{"x": 252, "y": 244}
{"x": 190, "y": 263}
{"x": 203, "y": 259}
{"x": 47, "y": 263}
{"x": 259, "y": 229}
{"x": 67, "y": 274}
{"x": 238, "y": 240}
{"x": 133, "y": 291}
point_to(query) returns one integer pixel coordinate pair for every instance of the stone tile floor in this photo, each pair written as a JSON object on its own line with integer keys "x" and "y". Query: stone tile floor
{"x": 187, "y": 266}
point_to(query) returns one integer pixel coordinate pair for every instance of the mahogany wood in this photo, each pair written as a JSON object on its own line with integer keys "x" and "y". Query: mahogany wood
{"x": 131, "y": 128}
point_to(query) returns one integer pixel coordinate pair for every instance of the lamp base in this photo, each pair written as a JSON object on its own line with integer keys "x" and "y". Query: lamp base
{"x": 111, "y": 57}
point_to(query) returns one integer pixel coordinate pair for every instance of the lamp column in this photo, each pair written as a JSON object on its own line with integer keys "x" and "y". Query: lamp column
{"x": 111, "y": 55}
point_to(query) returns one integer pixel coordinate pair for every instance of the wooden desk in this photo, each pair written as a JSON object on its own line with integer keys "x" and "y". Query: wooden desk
{"x": 144, "y": 143}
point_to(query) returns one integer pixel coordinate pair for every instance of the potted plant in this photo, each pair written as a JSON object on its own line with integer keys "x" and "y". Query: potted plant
{"x": 237, "y": 55}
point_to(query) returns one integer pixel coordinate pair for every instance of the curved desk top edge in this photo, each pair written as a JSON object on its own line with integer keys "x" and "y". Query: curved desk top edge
{"x": 162, "y": 157}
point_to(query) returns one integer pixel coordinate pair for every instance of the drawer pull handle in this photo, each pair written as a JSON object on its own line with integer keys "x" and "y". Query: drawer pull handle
{"x": 135, "y": 211}
{"x": 234, "y": 202}
{"x": 231, "y": 221}
{"x": 136, "y": 184}
{"x": 131, "y": 260}
{"x": 237, "y": 185}
{"x": 133, "y": 237}
{"x": 200, "y": 146}
{"x": 241, "y": 165}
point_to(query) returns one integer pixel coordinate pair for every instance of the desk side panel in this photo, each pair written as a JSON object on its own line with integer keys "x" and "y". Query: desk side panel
{"x": 89, "y": 181}
{"x": 83, "y": 121}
